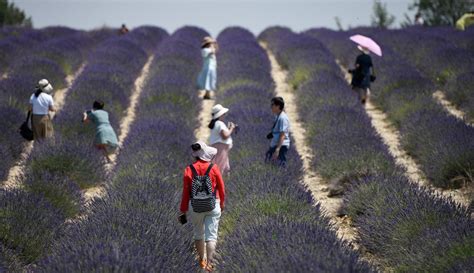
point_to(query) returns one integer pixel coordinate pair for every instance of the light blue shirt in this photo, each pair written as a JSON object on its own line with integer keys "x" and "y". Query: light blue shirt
{"x": 282, "y": 126}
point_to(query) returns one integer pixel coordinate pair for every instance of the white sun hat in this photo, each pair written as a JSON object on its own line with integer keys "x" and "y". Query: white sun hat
{"x": 205, "y": 152}
{"x": 363, "y": 49}
{"x": 45, "y": 86}
{"x": 218, "y": 110}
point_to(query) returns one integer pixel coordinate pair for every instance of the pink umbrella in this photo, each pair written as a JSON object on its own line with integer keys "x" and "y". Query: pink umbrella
{"x": 367, "y": 43}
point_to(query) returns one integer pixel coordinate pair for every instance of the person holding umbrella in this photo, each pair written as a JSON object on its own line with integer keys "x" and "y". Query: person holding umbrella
{"x": 363, "y": 74}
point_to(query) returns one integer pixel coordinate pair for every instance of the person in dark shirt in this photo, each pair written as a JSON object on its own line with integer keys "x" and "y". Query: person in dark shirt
{"x": 362, "y": 74}
{"x": 123, "y": 30}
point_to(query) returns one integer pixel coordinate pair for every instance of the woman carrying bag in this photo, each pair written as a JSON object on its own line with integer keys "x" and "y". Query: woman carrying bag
{"x": 203, "y": 196}
{"x": 41, "y": 103}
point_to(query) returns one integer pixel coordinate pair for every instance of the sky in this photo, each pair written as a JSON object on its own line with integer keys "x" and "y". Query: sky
{"x": 212, "y": 15}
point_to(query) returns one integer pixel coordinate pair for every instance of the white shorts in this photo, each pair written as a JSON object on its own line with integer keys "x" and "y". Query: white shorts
{"x": 205, "y": 224}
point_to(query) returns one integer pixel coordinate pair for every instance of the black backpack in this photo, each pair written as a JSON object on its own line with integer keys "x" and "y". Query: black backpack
{"x": 202, "y": 197}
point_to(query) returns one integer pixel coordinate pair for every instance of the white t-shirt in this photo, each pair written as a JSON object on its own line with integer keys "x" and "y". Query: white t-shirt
{"x": 41, "y": 103}
{"x": 216, "y": 134}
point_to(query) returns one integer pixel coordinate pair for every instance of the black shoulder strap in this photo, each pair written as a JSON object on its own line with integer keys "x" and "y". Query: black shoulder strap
{"x": 209, "y": 168}
{"x": 193, "y": 170}
{"x": 275, "y": 123}
{"x": 28, "y": 116}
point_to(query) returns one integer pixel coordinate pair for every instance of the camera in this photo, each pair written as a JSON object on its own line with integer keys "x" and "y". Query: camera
{"x": 270, "y": 135}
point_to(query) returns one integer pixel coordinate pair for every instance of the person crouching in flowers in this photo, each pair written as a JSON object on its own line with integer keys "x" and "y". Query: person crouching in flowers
{"x": 204, "y": 193}
{"x": 105, "y": 137}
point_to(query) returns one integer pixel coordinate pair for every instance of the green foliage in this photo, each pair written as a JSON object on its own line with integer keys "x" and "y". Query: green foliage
{"x": 442, "y": 12}
{"x": 75, "y": 168}
{"x": 12, "y": 15}
{"x": 381, "y": 17}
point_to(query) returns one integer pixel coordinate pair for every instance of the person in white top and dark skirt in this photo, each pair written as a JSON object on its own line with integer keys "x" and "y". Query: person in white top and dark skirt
{"x": 221, "y": 137}
{"x": 41, "y": 103}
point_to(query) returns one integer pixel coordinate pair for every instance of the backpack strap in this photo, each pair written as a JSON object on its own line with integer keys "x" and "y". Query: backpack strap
{"x": 209, "y": 168}
{"x": 193, "y": 170}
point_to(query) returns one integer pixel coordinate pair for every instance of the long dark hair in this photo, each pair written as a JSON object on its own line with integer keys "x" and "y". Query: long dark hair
{"x": 213, "y": 123}
{"x": 206, "y": 45}
{"x": 38, "y": 91}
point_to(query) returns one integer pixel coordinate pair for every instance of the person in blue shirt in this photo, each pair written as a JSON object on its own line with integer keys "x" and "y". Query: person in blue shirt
{"x": 280, "y": 134}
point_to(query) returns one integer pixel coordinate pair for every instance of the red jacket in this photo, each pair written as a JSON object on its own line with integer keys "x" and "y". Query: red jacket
{"x": 216, "y": 178}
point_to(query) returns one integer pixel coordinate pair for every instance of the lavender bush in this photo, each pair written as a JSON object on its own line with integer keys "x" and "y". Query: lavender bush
{"x": 134, "y": 228}
{"x": 406, "y": 226}
{"x": 406, "y": 96}
{"x": 269, "y": 223}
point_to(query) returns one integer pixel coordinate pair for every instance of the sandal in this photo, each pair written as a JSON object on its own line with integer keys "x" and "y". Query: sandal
{"x": 209, "y": 267}
{"x": 203, "y": 264}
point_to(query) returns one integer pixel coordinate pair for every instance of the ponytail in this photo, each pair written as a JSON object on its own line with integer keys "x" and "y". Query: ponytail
{"x": 38, "y": 92}
{"x": 212, "y": 123}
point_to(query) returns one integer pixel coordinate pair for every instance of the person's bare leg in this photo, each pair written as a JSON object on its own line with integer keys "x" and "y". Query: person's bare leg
{"x": 200, "y": 248}
{"x": 210, "y": 250}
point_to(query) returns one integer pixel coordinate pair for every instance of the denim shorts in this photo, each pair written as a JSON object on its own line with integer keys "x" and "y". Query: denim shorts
{"x": 205, "y": 224}
{"x": 281, "y": 155}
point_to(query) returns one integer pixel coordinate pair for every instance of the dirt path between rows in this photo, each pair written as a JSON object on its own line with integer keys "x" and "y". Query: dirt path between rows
{"x": 125, "y": 124}
{"x": 440, "y": 98}
{"x": 317, "y": 185}
{"x": 15, "y": 174}
{"x": 202, "y": 132}
{"x": 391, "y": 137}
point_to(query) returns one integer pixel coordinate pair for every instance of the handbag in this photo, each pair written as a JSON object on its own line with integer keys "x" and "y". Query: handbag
{"x": 270, "y": 135}
{"x": 25, "y": 130}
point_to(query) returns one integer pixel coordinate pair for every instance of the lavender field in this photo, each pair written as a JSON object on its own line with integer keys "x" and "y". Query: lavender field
{"x": 54, "y": 220}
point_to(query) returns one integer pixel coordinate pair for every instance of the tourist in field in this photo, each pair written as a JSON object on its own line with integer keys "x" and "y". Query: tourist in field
{"x": 204, "y": 193}
{"x": 419, "y": 19}
{"x": 221, "y": 137}
{"x": 123, "y": 30}
{"x": 41, "y": 103}
{"x": 105, "y": 137}
{"x": 280, "y": 133}
{"x": 362, "y": 74}
{"x": 208, "y": 77}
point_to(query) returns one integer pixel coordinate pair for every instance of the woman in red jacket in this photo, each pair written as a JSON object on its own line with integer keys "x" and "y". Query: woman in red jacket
{"x": 206, "y": 223}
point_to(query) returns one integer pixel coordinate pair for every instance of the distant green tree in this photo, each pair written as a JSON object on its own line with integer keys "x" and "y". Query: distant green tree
{"x": 442, "y": 12}
{"x": 11, "y": 15}
{"x": 381, "y": 17}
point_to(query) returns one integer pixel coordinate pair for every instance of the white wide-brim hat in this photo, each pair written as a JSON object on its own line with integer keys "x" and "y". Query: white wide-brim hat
{"x": 45, "y": 86}
{"x": 206, "y": 153}
{"x": 363, "y": 49}
{"x": 218, "y": 110}
{"x": 207, "y": 40}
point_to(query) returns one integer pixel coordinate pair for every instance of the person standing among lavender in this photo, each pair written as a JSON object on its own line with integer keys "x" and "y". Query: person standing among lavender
{"x": 208, "y": 77}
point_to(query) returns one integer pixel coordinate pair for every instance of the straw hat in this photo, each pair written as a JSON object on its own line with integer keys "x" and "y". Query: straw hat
{"x": 206, "y": 153}
{"x": 363, "y": 49}
{"x": 218, "y": 110}
{"x": 45, "y": 86}
{"x": 208, "y": 40}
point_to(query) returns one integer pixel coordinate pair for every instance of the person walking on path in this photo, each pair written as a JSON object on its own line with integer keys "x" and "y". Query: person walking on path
{"x": 208, "y": 76}
{"x": 105, "y": 137}
{"x": 221, "y": 137}
{"x": 280, "y": 134}
{"x": 362, "y": 75}
{"x": 41, "y": 103}
{"x": 203, "y": 177}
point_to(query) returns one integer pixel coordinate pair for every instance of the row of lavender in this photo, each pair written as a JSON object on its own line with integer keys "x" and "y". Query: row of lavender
{"x": 134, "y": 228}
{"x": 445, "y": 56}
{"x": 270, "y": 222}
{"x": 440, "y": 143}
{"x": 405, "y": 226}
{"x": 53, "y": 58}
{"x": 56, "y": 168}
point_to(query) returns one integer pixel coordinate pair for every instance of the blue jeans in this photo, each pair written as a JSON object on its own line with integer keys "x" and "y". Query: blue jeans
{"x": 281, "y": 155}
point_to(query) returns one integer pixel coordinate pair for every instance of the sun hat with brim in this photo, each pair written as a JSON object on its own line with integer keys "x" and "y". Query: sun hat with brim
{"x": 206, "y": 153}
{"x": 218, "y": 110}
{"x": 45, "y": 86}
{"x": 207, "y": 40}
